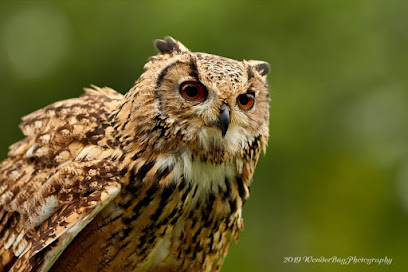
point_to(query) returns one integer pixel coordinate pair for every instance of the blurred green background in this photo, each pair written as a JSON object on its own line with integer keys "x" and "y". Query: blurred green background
{"x": 334, "y": 181}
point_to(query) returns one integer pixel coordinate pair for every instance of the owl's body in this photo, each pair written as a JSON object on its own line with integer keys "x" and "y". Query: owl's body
{"x": 151, "y": 181}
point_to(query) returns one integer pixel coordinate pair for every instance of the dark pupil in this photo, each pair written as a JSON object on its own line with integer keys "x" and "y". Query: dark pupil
{"x": 243, "y": 99}
{"x": 191, "y": 90}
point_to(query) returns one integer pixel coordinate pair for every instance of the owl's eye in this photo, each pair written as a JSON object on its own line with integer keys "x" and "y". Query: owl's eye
{"x": 246, "y": 101}
{"x": 192, "y": 91}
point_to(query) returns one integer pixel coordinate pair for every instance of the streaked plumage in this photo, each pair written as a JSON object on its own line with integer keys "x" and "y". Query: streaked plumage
{"x": 142, "y": 182}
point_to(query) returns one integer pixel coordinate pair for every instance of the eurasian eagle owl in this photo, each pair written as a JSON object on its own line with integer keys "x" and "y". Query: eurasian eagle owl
{"x": 151, "y": 181}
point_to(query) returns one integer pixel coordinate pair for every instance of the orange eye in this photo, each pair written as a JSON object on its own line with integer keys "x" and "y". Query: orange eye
{"x": 246, "y": 101}
{"x": 192, "y": 91}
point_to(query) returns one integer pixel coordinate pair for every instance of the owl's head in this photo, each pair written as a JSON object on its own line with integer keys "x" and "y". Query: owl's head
{"x": 213, "y": 105}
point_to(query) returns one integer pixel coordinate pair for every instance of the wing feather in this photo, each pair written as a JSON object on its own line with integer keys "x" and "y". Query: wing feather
{"x": 55, "y": 180}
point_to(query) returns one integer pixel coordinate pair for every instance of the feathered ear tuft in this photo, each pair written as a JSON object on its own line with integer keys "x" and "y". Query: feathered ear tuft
{"x": 261, "y": 66}
{"x": 169, "y": 45}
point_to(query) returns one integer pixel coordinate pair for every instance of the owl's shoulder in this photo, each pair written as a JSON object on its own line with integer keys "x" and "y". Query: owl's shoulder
{"x": 83, "y": 110}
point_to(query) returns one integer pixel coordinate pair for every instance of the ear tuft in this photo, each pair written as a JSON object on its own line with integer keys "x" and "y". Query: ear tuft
{"x": 262, "y": 67}
{"x": 169, "y": 45}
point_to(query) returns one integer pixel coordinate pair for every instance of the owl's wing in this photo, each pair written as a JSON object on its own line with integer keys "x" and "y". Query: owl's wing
{"x": 55, "y": 180}
{"x": 76, "y": 193}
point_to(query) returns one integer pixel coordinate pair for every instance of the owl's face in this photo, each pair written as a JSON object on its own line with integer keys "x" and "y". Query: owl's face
{"x": 219, "y": 104}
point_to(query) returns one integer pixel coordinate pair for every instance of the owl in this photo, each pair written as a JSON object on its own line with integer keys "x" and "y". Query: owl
{"x": 154, "y": 180}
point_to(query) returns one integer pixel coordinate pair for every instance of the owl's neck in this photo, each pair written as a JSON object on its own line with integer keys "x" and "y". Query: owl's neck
{"x": 219, "y": 189}
{"x": 206, "y": 177}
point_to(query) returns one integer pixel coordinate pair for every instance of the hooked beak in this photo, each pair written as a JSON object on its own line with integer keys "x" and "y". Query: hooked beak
{"x": 223, "y": 119}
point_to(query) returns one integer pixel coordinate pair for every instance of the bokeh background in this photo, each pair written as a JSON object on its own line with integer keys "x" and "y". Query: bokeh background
{"x": 334, "y": 181}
